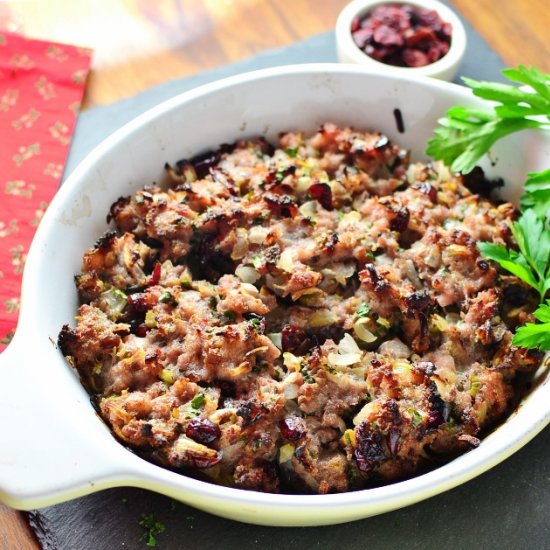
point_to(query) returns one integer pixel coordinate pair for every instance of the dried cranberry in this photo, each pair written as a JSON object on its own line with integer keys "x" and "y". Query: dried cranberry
{"x": 251, "y": 412}
{"x": 202, "y": 462}
{"x": 393, "y": 441}
{"x": 281, "y": 205}
{"x": 393, "y": 16}
{"x": 439, "y": 409}
{"x": 401, "y": 220}
{"x": 202, "y": 430}
{"x": 291, "y": 337}
{"x": 141, "y": 330}
{"x": 291, "y": 428}
{"x": 402, "y": 35}
{"x": 370, "y": 449}
{"x": 446, "y": 30}
{"x": 203, "y": 162}
{"x": 362, "y": 37}
{"x": 421, "y": 38}
{"x": 427, "y": 189}
{"x": 418, "y": 301}
{"x": 387, "y": 36}
{"x": 430, "y": 18}
{"x": 142, "y": 301}
{"x": 415, "y": 58}
{"x": 322, "y": 193}
{"x": 155, "y": 276}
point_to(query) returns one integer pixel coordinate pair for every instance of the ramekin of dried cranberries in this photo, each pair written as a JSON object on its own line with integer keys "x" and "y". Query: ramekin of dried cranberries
{"x": 423, "y": 37}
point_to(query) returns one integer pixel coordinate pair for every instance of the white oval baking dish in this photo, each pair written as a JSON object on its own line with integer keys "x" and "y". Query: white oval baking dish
{"x": 54, "y": 447}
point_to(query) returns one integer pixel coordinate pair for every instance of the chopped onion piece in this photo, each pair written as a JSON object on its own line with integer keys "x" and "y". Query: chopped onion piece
{"x": 401, "y": 367}
{"x": 439, "y": 322}
{"x": 291, "y": 391}
{"x": 363, "y": 415}
{"x": 412, "y": 274}
{"x": 241, "y": 244}
{"x": 286, "y": 452}
{"x": 303, "y": 184}
{"x": 343, "y": 360}
{"x": 340, "y": 273}
{"x": 383, "y": 322}
{"x": 351, "y": 217}
{"x": 322, "y": 318}
{"x": 348, "y": 345}
{"x": 276, "y": 338}
{"x": 286, "y": 260}
{"x": 362, "y": 332}
{"x": 257, "y": 234}
{"x": 291, "y": 362}
{"x": 250, "y": 289}
{"x": 247, "y": 274}
{"x": 260, "y": 349}
{"x": 308, "y": 209}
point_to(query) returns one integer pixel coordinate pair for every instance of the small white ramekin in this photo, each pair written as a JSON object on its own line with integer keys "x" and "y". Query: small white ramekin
{"x": 444, "y": 69}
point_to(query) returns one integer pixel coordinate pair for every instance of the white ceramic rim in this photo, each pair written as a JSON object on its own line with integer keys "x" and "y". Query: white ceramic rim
{"x": 358, "y": 8}
{"x": 127, "y": 469}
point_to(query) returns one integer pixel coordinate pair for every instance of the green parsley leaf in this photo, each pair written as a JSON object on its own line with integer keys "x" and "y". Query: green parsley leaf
{"x": 417, "y": 418}
{"x": 185, "y": 283}
{"x": 167, "y": 298}
{"x": 229, "y": 316}
{"x": 257, "y": 261}
{"x": 363, "y": 310}
{"x": 197, "y": 401}
{"x": 537, "y": 194}
{"x": 534, "y": 335}
{"x": 152, "y": 527}
{"x": 256, "y": 323}
{"x": 530, "y": 264}
{"x": 465, "y": 134}
{"x": 292, "y": 152}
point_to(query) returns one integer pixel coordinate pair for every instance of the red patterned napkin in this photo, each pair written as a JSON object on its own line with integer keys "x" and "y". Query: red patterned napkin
{"x": 41, "y": 87}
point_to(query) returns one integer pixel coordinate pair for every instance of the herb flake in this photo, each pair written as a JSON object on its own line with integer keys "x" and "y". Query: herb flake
{"x": 153, "y": 527}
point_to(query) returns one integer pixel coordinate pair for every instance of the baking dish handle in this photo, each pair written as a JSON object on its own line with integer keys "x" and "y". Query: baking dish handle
{"x": 50, "y": 454}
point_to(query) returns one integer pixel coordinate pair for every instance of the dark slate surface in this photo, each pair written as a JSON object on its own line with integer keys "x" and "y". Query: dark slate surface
{"x": 506, "y": 508}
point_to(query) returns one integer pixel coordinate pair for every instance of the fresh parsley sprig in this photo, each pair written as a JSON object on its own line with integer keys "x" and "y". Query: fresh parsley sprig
{"x": 530, "y": 264}
{"x": 533, "y": 335}
{"x": 537, "y": 194}
{"x": 466, "y": 134}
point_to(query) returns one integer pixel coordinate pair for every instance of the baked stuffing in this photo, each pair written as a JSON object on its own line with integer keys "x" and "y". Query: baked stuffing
{"x": 314, "y": 317}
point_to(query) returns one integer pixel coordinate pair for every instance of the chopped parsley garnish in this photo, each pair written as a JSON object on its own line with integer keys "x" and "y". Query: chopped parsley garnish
{"x": 417, "y": 418}
{"x": 198, "y": 401}
{"x": 363, "y": 310}
{"x": 152, "y": 527}
{"x": 257, "y": 261}
{"x": 167, "y": 298}
{"x": 308, "y": 379}
{"x": 292, "y": 151}
{"x": 185, "y": 283}
{"x": 256, "y": 323}
{"x": 280, "y": 175}
{"x": 534, "y": 335}
{"x": 229, "y": 316}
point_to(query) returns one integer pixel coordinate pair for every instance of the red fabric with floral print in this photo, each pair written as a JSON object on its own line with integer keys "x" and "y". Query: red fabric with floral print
{"x": 41, "y": 87}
